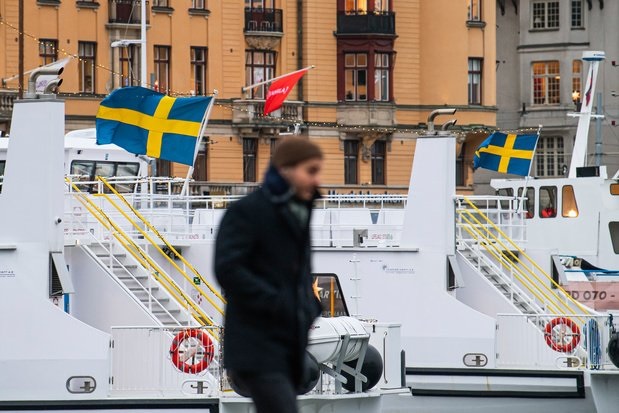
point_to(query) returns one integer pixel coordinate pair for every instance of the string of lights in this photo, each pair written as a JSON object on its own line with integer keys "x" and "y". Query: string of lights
{"x": 413, "y": 131}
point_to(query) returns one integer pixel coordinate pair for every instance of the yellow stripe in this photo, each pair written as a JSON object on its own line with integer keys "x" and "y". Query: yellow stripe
{"x": 151, "y": 123}
{"x": 164, "y": 107}
{"x": 153, "y": 144}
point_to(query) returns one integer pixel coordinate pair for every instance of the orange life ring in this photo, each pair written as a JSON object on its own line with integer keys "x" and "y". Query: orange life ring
{"x": 180, "y": 359}
{"x": 560, "y": 345}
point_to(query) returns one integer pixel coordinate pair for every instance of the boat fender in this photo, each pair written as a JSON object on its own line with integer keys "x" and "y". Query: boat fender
{"x": 181, "y": 360}
{"x": 311, "y": 375}
{"x": 372, "y": 368}
{"x": 559, "y": 345}
{"x": 613, "y": 348}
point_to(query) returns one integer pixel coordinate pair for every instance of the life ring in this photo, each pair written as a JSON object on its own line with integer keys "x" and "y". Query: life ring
{"x": 559, "y": 344}
{"x": 180, "y": 356}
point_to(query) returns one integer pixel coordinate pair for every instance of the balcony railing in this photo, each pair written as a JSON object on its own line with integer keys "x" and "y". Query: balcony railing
{"x": 366, "y": 23}
{"x": 263, "y": 20}
{"x": 250, "y": 111}
{"x": 7, "y": 97}
{"x": 127, "y": 11}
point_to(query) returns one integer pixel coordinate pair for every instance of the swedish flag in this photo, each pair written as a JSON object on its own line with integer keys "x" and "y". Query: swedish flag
{"x": 146, "y": 122}
{"x": 511, "y": 154}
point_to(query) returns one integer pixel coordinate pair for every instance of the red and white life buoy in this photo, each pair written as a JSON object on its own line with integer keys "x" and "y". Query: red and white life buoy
{"x": 564, "y": 342}
{"x": 200, "y": 345}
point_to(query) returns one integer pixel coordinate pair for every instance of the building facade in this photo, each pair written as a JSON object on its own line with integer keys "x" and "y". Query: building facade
{"x": 540, "y": 77}
{"x": 381, "y": 67}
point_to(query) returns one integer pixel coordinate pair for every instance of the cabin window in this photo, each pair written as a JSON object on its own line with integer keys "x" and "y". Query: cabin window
{"x": 569, "y": 207}
{"x": 529, "y": 202}
{"x": 614, "y": 189}
{"x": 328, "y": 290}
{"x": 505, "y": 204}
{"x": 2, "y": 163}
{"x": 548, "y": 202}
{"x": 613, "y": 227}
{"x": 89, "y": 170}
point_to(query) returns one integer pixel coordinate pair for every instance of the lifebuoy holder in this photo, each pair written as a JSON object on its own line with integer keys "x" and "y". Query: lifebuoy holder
{"x": 560, "y": 345}
{"x": 181, "y": 355}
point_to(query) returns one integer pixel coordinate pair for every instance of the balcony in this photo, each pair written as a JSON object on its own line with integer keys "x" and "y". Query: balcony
{"x": 124, "y": 12}
{"x": 247, "y": 113}
{"x": 366, "y": 24}
{"x": 380, "y": 114}
{"x": 7, "y": 98}
{"x": 263, "y": 28}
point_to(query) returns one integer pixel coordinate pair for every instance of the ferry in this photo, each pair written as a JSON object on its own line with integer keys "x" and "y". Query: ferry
{"x": 118, "y": 307}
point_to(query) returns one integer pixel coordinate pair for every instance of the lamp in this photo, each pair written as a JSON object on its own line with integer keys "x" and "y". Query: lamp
{"x": 576, "y": 100}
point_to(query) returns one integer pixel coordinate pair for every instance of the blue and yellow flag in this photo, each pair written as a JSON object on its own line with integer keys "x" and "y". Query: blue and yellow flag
{"x": 511, "y": 154}
{"x": 150, "y": 123}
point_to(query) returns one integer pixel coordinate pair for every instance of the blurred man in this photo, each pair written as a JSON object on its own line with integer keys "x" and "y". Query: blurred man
{"x": 262, "y": 261}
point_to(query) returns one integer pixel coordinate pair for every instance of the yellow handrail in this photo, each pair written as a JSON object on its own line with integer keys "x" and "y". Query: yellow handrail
{"x": 504, "y": 260}
{"x": 161, "y": 237}
{"x": 525, "y": 255}
{"x": 158, "y": 248}
{"x": 129, "y": 245}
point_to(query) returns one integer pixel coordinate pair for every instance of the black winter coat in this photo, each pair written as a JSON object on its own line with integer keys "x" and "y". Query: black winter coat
{"x": 262, "y": 261}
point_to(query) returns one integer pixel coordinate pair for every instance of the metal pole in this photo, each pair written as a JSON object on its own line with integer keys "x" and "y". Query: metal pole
{"x": 246, "y": 88}
{"x": 598, "y": 131}
{"x": 143, "y": 44}
{"x": 20, "y": 58}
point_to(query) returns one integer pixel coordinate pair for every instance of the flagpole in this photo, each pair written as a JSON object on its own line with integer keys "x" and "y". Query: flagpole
{"x": 203, "y": 125}
{"x": 246, "y": 88}
{"x": 526, "y": 178}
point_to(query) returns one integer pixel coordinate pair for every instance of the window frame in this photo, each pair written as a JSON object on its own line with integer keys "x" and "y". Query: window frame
{"x": 577, "y": 77}
{"x": 382, "y": 73}
{"x": 475, "y": 88}
{"x": 378, "y": 162}
{"x": 548, "y": 210}
{"x": 199, "y": 66}
{"x": 569, "y": 203}
{"x": 46, "y": 55}
{"x": 269, "y": 70}
{"x": 550, "y": 157}
{"x": 250, "y": 159}
{"x": 547, "y": 80}
{"x": 474, "y": 10}
{"x": 354, "y": 70}
{"x": 351, "y": 162}
{"x": 129, "y": 61}
{"x": 264, "y": 4}
{"x": 580, "y": 23}
{"x": 545, "y": 24}
{"x": 162, "y": 67}
{"x": 83, "y": 63}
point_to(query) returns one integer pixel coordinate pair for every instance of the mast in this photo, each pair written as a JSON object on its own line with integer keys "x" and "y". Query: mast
{"x": 579, "y": 154}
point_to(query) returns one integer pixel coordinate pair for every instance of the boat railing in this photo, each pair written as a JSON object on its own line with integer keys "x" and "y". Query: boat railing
{"x": 142, "y": 363}
{"x": 551, "y": 341}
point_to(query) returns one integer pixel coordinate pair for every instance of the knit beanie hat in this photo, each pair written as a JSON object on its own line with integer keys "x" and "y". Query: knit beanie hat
{"x": 294, "y": 150}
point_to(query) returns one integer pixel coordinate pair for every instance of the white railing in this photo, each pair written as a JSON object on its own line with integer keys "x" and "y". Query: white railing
{"x": 142, "y": 364}
{"x": 524, "y": 341}
{"x": 503, "y": 211}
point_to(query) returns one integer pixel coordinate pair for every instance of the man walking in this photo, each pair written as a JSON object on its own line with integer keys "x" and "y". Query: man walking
{"x": 262, "y": 261}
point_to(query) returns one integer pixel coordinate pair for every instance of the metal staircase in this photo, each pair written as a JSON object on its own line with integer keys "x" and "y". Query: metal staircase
{"x": 125, "y": 244}
{"x": 485, "y": 246}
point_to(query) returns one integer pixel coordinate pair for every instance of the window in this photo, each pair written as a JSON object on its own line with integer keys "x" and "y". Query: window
{"x": 475, "y": 68}
{"x": 569, "y": 207}
{"x": 505, "y": 192}
{"x": 259, "y": 66}
{"x": 162, "y": 68}
{"x": 381, "y": 76}
{"x": 129, "y": 65}
{"x": 199, "y": 167}
{"x": 161, "y": 3}
{"x": 474, "y": 10}
{"x": 550, "y": 156}
{"x": 2, "y": 165}
{"x": 546, "y": 83}
{"x": 164, "y": 168}
{"x": 613, "y": 228}
{"x": 460, "y": 166}
{"x": 379, "y": 152}
{"x": 89, "y": 170}
{"x": 86, "y": 52}
{"x": 545, "y": 15}
{"x": 548, "y": 202}
{"x": 577, "y": 14}
{"x": 198, "y": 70}
{"x": 351, "y": 162}
{"x": 259, "y": 4}
{"x": 576, "y": 79}
{"x": 356, "y": 73}
{"x": 48, "y": 51}
{"x": 198, "y": 4}
{"x": 329, "y": 292}
{"x": 381, "y": 6}
{"x": 356, "y": 6}
{"x": 529, "y": 202}
{"x": 614, "y": 189}
{"x": 272, "y": 146}
{"x": 249, "y": 159}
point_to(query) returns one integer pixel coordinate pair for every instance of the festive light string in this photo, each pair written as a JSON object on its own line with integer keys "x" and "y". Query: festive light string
{"x": 482, "y": 130}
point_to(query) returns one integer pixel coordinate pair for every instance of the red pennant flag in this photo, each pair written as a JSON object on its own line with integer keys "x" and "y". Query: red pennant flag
{"x": 279, "y": 90}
